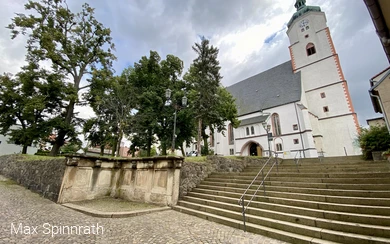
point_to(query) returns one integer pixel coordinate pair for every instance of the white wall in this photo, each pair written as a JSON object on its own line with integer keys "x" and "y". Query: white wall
{"x": 6, "y": 148}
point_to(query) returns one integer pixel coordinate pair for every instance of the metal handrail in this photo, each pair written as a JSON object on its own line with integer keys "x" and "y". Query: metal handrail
{"x": 296, "y": 160}
{"x": 241, "y": 201}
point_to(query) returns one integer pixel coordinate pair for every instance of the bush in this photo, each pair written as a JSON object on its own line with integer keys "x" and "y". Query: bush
{"x": 373, "y": 139}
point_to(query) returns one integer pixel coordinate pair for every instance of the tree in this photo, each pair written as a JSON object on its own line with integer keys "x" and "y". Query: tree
{"x": 153, "y": 118}
{"x": 373, "y": 139}
{"x": 212, "y": 104}
{"x": 74, "y": 45}
{"x": 27, "y": 102}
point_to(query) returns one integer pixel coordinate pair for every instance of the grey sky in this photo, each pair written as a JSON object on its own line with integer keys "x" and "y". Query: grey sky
{"x": 251, "y": 36}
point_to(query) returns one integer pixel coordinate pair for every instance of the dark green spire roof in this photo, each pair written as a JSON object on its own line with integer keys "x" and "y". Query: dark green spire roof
{"x": 301, "y": 7}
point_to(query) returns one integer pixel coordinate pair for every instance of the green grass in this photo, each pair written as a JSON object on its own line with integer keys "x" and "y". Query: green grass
{"x": 27, "y": 157}
{"x": 195, "y": 159}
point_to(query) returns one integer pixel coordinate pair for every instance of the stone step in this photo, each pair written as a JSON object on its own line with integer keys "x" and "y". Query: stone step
{"x": 357, "y": 228}
{"x": 299, "y": 229}
{"x": 345, "y": 208}
{"x": 258, "y": 229}
{"x": 317, "y": 213}
{"x": 322, "y": 169}
{"x": 320, "y": 166}
{"x": 310, "y": 175}
{"x": 225, "y": 191}
{"x": 316, "y": 191}
{"x": 310, "y": 180}
{"x": 305, "y": 184}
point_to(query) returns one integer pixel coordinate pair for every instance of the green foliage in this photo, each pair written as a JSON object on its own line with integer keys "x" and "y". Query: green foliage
{"x": 74, "y": 44}
{"x": 71, "y": 147}
{"x": 144, "y": 153}
{"x": 373, "y": 139}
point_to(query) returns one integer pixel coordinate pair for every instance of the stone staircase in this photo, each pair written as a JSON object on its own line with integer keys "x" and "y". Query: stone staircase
{"x": 338, "y": 200}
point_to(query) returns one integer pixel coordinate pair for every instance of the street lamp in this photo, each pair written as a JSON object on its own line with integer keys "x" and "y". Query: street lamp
{"x": 168, "y": 93}
{"x": 267, "y": 128}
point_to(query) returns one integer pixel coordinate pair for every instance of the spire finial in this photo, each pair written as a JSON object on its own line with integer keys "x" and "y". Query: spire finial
{"x": 300, "y": 4}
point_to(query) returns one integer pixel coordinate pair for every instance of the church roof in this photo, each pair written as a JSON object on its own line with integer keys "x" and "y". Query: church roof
{"x": 271, "y": 88}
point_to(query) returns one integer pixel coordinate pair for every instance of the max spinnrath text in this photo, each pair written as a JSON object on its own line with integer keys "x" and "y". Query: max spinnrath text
{"x": 53, "y": 230}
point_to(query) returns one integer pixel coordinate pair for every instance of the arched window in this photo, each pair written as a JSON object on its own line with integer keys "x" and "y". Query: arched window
{"x": 310, "y": 49}
{"x": 230, "y": 134}
{"x": 279, "y": 147}
{"x": 247, "y": 131}
{"x": 252, "y": 130}
{"x": 276, "y": 125}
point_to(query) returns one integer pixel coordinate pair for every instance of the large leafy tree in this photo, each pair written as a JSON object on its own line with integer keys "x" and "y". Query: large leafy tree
{"x": 154, "y": 119}
{"x": 27, "y": 103}
{"x": 74, "y": 44}
{"x": 212, "y": 104}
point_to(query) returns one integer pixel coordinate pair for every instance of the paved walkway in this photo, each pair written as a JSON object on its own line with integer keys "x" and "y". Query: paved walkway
{"x": 25, "y": 217}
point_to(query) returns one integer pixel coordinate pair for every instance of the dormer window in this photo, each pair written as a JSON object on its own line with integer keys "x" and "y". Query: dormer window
{"x": 310, "y": 49}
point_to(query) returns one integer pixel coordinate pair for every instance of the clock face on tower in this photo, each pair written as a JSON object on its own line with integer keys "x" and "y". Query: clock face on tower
{"x": 304, "y": 23}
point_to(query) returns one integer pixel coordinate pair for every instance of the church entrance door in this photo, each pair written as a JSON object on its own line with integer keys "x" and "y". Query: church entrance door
{"x": 255, "y": 150}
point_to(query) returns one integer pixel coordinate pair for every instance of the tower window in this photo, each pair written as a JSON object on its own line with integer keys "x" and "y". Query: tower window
{"x": 247, "y": 131}
{"x": 307, "y": 27}
{"x": 310, "y": 49}
{"x": 303, "y": 29}
{"x": 323, "y": 95}
{"x": 326, "y": 109}
{"x": 307, "y": 36}
{"x": 231, "y": 134}
{"x": 252, "y": 130}
{"x": 296, "y": 141}
{"x": 295, "y": 127}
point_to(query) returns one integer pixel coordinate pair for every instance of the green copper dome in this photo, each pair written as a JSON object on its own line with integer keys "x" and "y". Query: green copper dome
{"x": 301, "y": 7}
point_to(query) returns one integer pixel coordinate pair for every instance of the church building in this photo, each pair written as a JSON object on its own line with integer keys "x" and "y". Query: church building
{"x": 299, "y": 108}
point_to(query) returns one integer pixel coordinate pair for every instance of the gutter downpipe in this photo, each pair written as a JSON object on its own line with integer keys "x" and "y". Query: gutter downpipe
{"x": 384, "y": 112}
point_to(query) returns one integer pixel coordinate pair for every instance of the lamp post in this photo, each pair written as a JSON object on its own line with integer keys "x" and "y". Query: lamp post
{"x": 184, "y": 99}
{"x": 267, "y": 128}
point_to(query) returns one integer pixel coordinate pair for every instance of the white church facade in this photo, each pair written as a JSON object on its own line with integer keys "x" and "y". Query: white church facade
{"x": 304, "y": 102}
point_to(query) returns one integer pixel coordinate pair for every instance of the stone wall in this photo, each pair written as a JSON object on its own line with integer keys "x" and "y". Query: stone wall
{"x": 43, "y": 176}
{"x": 192, "y": 173}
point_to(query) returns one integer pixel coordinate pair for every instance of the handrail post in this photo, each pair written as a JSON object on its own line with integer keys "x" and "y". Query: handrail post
{"x": 243, "y": 212}
{"x": 277, "y": 164}
{"x": 262, "y": 174}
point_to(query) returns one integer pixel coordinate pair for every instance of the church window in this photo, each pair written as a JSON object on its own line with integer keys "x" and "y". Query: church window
{"x": 231, "y": 151}
{"x": 296, "y": 141}
{"x": 295, "y": 127}
{"x": 211, "y": 140}
{"x": 247, "y": 131}
{"x": 307, "y": 27}
{"x": 279, "y": 147}
{"x": 276, "y": 125}
{"x": 310, "y": 49}
{"x": 323, "y": 95}
{"x": 326, "y": 109}
{"x": 252, "y": 130}
{"x": 230, "y": 134}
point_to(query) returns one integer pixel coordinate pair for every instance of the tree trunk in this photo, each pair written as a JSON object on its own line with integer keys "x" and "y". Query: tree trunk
{"x": 205, "y": 145}
{"x": 182, "y": 151}
{"x": 149, "y": 144}
{"x": 113, "y": 148}
{"x": 119, "y": 144}
{"x": 163, "y": 148}
{"x": 199, "y": 136}
{"x": 60, "y": 139}
{"x": 102, "y": 150}
{"x": 24, "y": 150}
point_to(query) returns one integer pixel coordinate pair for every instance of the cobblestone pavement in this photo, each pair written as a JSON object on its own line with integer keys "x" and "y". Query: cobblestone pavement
{"x": 37, "y": 220}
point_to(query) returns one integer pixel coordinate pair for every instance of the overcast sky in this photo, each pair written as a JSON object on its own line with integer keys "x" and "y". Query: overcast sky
{"x": 250, "y": 34}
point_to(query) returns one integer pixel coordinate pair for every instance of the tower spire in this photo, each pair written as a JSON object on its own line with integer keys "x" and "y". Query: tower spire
{"x": 299, "y": 4}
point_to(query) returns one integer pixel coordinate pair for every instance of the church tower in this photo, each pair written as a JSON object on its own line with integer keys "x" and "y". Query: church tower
{"x": 324, "y": 89}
